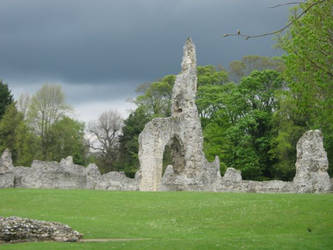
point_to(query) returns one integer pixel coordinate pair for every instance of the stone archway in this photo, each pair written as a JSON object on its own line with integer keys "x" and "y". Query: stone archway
{"x": 152, "y": 142}
{"x": 191, "y": 170}
{"x": 176, "y": 153}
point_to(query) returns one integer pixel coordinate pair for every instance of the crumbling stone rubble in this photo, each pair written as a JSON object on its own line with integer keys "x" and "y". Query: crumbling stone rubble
{"x": 16, "y": 229}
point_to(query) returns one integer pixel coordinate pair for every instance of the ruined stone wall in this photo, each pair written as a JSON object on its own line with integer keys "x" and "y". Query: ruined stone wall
{"x": 311, "y": 175}
{"x": 62, "y": 175}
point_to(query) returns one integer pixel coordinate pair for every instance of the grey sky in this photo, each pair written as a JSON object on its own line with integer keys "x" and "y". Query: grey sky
{"x": 101, "y": 50}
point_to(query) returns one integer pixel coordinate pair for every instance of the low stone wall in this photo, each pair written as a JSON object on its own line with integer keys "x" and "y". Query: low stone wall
{"x": 232, "y": 182}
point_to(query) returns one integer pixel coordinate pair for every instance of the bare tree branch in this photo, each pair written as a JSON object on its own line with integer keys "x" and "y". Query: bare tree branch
{"x": 246, "y": 37}
{"x": 284, "y": 4}
{"x": 105, "y": 134}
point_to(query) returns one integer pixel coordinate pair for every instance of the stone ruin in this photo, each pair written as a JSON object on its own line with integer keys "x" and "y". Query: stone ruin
{"x": 189, "y": 171}
{"x": 182, "y": 132}
{"x": 15, "y": 229}
{"x": 62, "y": 175}
{"x": 312, "y": 164}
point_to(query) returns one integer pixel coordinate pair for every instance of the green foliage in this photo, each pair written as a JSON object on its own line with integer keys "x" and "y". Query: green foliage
{"x": 67, "y": 138}
{"x": 177, "y": 220}
{"x": 16, "y": 136}
{"x": 6, "y": 98}
{"x": 156, "y": 96}
{"x": 309, "y": 71}
{"x": 209, "y": 75}
{"x": 129, "y": 145}
{"x": 237, "y": 123}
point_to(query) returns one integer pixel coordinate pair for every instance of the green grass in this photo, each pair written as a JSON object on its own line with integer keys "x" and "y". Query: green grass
{"x": 178, "y": 220}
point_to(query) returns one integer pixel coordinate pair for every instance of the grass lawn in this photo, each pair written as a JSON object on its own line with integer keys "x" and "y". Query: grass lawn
{"x": 178, "y": 220}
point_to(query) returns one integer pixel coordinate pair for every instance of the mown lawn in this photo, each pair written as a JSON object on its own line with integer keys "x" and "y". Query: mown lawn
{"x": 178, "y": 220}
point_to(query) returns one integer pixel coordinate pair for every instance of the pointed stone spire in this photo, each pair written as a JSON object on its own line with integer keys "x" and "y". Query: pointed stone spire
{"x": 189, "y": 57}
{"x": 185, "y": 87}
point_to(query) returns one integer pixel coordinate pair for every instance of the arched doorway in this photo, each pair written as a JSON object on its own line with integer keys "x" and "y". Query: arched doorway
{"x": 174, "y": 154}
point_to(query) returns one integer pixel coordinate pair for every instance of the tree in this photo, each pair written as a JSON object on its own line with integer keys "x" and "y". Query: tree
{"x": 239, "y": 69}
{"x": 309, "y": 71}
{"x": 6, "y": 98}
{"x": 155, "y": 97}
{"x": 105, "y": 134}
{"x": 47, "y": 106}
{"x": 297, "y": 16}
{"x": 209, "y": 75}
{"x": 22, "y": 104}
{"x": 8, "y": 125}
{"x": 67, "y": 136}
{"x": 15, "y": 135}
{"x": 129, "y": 144}
{"x": 238, "y": 123}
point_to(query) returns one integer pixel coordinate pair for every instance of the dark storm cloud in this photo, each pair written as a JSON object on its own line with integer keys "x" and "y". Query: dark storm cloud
{"x": 109, "y": 41}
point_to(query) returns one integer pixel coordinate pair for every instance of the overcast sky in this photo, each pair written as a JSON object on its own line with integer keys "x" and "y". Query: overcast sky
{"x": 100, "y": 50}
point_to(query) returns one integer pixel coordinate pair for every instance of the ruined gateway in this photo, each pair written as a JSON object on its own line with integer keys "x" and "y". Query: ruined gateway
{"x": 182, "y": 131}
{"x": 189, "y": 171}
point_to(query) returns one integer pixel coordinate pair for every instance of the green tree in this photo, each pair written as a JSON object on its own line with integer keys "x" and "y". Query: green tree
{"x": 155, "y": 97}
{"x": 238, "y": 122}
{"x": 67, "y": 136}
{"x": 209, "y": 75}
{"x": 15, "y": 135}
{"x": 46, "y": 107}
{"x": 6, "y": 98}
{"x": 129, "y": 145}
{"x": 309, "y": 71}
